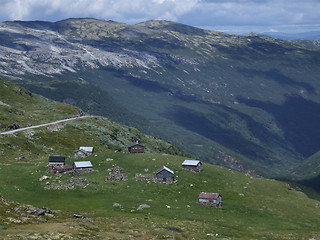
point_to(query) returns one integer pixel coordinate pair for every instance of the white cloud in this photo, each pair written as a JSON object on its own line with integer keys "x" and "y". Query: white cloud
{"x": 124, "y": 10}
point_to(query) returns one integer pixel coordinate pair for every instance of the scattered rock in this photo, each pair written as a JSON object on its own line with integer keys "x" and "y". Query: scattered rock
{"x": 36, "y": 211}
{"x": 82, "y": 217}
{"x": 142, "y": 206}
{"x": 71, "y": 184}
{"x": 173, "y": 229}
{"x": 44, "y": 177}
{"x": 117, "y": 205}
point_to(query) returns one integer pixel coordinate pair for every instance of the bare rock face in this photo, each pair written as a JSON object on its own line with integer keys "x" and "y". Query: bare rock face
{"x": 116, "y": 174}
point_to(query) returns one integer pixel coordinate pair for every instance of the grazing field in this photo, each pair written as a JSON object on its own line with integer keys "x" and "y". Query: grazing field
{"x": 254, "y": 208}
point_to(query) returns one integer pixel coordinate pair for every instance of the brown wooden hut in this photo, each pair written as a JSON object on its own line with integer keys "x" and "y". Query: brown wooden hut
{"x": 136, "y": 148}
{"x": 210, "y": 199}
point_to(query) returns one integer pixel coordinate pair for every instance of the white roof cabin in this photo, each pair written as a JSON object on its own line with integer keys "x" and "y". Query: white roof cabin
{"x": 83, "y": 164}
{"x": 191, "y": 162}
{"x": 87, "y": 149}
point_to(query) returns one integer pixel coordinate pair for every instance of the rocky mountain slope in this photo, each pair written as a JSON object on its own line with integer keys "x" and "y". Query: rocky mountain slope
{"x": 250, "y": 102}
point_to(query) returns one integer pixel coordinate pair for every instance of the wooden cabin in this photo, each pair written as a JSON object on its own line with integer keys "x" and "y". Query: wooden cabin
{"x": 57, "y": 160}
{"x": 165, "y": 174}
{"x": 136, "y": 148}
{"x": 210, "y": 199}
{"x": 192, "y": 165}
{"x": 82, "y": 167}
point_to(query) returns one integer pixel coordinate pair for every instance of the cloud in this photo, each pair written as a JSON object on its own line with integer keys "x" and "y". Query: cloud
{"x": 118, "y": 10}
{"x": 214, "y": 14}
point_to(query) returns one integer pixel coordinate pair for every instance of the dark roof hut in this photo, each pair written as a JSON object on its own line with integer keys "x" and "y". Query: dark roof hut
{"x": 57, "y": 160}
{"x": 210, "y": 199}
{"x": 136, "y": 148}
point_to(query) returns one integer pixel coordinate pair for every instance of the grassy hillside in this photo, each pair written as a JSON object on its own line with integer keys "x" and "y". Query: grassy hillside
{"x": 254, "y": 208}
{"x": 19, "y": 107}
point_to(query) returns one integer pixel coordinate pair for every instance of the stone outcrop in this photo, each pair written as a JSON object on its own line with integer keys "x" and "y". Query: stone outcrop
{"x": 116, "y": 174}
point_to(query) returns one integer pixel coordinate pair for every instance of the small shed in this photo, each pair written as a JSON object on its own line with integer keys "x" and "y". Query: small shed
{"x": 82, "y": 166}
{"x": 80, "y": 154}
{"x": 210, "y": 199}
{"x": 164, "y": 173}
{"x": 193, "y": 165}
{"x": 88, "y": 150}
{"x": 136, "y": 148}
{"x": 57, "y": 160}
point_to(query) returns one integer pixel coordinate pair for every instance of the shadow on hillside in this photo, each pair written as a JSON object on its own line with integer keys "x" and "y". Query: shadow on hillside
{"x": 278, "y": 77}
{"x": 299, "y": 119}
{"x": 313, "y": 183}
{"x": 200, "y": 123}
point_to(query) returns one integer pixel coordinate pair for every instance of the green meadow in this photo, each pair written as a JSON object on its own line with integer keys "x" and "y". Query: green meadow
{"x": 254, "y": 208}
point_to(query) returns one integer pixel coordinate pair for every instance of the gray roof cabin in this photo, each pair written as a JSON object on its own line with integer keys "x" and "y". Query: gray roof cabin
{"x": 88, "y": 150}
{"x": 165, "y": 174}
{"x": 193, "y": 165}
{"x": 82, "y": 167}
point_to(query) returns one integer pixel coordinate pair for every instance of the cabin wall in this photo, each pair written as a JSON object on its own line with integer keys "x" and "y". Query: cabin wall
{"x": 56, "y": 163}
{"x": 165, "y": 174}
{"x": 197, "y": 168}
{"x": 136, "y": 149}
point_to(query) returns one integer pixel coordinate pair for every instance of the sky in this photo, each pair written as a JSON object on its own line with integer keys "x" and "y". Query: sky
{"x": 231, "y": 16}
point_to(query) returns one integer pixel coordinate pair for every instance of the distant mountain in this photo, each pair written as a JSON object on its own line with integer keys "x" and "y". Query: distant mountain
{"x": 315, "y": 35}
{"x": 250, "y": 102}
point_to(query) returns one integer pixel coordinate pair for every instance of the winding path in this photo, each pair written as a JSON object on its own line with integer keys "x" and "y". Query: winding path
{"x": 43, "y": 125}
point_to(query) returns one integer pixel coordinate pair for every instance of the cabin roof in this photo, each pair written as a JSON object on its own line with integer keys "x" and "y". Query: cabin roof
{"x": 164, "y": 168}
{"x": 87, "y": 149}
{"x": 83, "y": 151}
{"x": 191, "y": 163}
{"x": 206, "y": 195}
{"x": 56, "y": 159}
{"x": 82, "y": 164}
{"x": 134, "y": 144}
